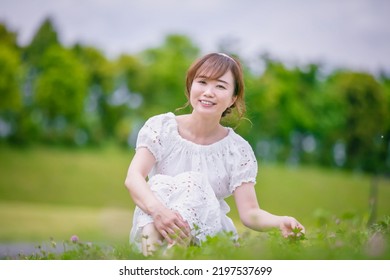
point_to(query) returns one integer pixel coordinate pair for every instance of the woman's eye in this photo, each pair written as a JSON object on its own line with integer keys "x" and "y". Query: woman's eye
{"x": 221, "y": 87}
{"x": 202, "y": 82}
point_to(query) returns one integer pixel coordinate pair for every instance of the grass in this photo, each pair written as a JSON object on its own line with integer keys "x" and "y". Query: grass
{"x": 31, "y": 222}
{"x": 348, "y": 240}
{"x": 91, "y": 178}
{"x": 49, "y": 194}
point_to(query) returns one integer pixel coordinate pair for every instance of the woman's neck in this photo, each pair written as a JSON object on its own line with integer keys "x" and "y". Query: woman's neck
{"x": 200, "y": 130}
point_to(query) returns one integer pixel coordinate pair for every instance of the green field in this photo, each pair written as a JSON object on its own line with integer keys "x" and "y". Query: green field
{"x": 48, "y": 192}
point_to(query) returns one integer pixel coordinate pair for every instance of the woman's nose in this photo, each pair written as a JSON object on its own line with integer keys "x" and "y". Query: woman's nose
{"x": 209, "y": 91}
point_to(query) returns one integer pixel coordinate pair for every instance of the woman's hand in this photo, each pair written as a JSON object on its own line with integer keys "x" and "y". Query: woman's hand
{"x": 171, "y": 225}
{"x": 289, "y": 226}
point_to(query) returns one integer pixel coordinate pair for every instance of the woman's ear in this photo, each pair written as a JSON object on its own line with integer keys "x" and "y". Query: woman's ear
{"x": 234, "y": 99}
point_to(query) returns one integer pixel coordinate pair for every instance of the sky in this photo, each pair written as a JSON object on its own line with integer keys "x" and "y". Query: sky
{"x": 353, "y": 34}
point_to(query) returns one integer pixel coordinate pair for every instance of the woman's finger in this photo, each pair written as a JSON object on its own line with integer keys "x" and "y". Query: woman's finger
{"x": 182, "y": 224}
{"x": 181, "y": 233}
{"x": 166, "y": 236}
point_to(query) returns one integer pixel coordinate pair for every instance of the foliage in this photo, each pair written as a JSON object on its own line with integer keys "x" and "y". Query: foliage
{"x": 343, "y": 238}
{"x": 287, "y": 105}
{"x": 8, "y": 37}
{"x": 10, "y": 75}
{"x": 163, "y": 75}
{"x": 60, "y": 92}
{"x": 298, "y": 113}
{"x": 45, "y": 37}
{"x": 362, "y": 105}
{"x": 100, "y": 115}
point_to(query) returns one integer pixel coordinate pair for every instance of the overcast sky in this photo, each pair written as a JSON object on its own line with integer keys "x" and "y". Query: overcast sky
{"x": 346, "y": 33}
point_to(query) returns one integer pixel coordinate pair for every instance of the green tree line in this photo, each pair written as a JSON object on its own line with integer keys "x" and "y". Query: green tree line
{"x": 75, "y": 95}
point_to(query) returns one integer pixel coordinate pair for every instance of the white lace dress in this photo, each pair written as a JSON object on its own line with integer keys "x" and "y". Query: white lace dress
{"x": 193, "y": 179}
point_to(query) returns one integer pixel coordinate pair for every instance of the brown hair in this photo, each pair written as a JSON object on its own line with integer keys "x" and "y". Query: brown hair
{"x": 213, "y": 66}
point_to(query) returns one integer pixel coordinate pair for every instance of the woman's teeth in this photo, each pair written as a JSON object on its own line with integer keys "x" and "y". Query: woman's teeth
{"x": 206, "y": 102}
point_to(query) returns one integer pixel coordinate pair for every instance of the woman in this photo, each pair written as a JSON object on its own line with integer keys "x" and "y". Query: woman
{"x": 193, "y": 163}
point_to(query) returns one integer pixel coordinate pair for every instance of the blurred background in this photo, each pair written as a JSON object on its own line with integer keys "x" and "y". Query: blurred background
{"x": 79, "y": 78}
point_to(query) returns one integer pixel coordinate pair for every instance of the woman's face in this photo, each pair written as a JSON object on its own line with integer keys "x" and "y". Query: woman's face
{"x": 212, "y": 96}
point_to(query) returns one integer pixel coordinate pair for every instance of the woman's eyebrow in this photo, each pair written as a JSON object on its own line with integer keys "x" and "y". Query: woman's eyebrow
{"x": 205, "y": 77}
{"x": 222, "y": 81}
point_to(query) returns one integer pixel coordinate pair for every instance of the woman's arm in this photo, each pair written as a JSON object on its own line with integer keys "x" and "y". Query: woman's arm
{"x": 166, "y": 221}
{"x": 135, "y": 182}
{"x": 252, "y": 216}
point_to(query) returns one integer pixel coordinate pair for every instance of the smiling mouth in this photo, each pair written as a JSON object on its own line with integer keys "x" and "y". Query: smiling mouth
{"x": 205, "y": 102}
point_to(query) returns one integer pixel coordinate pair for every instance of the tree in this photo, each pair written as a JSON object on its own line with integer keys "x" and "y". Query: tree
{"x": 99, "y": 121}
{"x": 10, "y": 74}
{"x": 45, "y": 38}
{"x": 60, "y": 92}
{"x": 283, "y": 106}
{"x": 362, "y": 103}
{"x": 7, "y": 37}
{"x": 10, "y": 71}
{"x": 385, "y": 137}
{"x": 163, "y": 75}
{"x": 10, "y": 95}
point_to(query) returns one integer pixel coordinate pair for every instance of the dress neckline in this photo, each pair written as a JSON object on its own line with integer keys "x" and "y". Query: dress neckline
{"x": 176, "y": 131}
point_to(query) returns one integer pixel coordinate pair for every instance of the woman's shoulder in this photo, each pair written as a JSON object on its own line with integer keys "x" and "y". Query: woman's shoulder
{"x": 238, "y": 146}
{"x": 237, "y": 140}
{"x": 160, "y": 121}
{"x": 161, "y": 117}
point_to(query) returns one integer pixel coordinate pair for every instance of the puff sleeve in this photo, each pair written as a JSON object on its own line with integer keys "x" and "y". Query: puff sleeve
{"x": 150, "y": 136}
{"x": 243, "y": 166}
